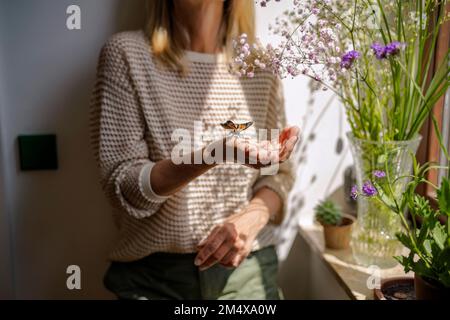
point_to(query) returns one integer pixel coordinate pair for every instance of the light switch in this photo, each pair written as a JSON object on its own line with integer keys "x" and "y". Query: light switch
{"x": 38, "y": 152}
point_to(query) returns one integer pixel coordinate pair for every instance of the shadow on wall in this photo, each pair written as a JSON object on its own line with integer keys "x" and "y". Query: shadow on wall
{"x": 311, "y": 146}
{"x": 302, "y": 274}
{"x": 131, "y": 14}
{"x": 60, "y": 218}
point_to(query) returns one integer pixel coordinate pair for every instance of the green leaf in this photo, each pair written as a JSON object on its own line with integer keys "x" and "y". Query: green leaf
{"x": 443, "y": 196}
{"x": 382, "y": 159}
{"x": 327, "y": 212}
{"x": 421, "y": 206}
{"x": 384, "y": 197}
{"x": 442, "y": 264}
{"x": 421, "y": 269}
{"x": 405, "y": 240}
{"x": 406, "y": 262}
{"x": 443, "y": 260}
{"x": 444, "y": 278}
{"x": 439, "y": 235}
{"x": 427, "y": 245}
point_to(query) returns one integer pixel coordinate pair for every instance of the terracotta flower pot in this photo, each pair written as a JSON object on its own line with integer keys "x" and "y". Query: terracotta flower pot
{"x": 397, "y": 288}
{"x": 338, "y": 237}
{"x": 428, "y": 290}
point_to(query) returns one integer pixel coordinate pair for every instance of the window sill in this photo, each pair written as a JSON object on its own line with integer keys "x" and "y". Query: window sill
{"x": 351, "y": 277}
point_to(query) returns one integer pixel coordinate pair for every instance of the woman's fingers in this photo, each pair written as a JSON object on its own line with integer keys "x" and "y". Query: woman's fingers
{"x": 264, "y": 153}
{"x": 228, "y": 258}
{"x": 212, "y": 243}
{"x": 213, "y": 232}
{"x": 288, "y": 147}
{"x": 221, "y": 246}
{"x": 237, "y": 260}
{"x": 284, "y": 133}
{"x": 225, "y": 254}
{"x": 288, "y": 144}
{"x": 289, "y": 132}
{"x": 217, "y": 256}
{"x": 207, "y": 264}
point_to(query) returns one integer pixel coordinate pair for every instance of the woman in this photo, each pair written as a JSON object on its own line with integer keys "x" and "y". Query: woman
{"x": 188, "y": 231}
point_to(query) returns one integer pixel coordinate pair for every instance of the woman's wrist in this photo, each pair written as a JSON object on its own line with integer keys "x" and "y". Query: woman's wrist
{"x": 272, "y": 202}
{"x": 259, "y": 211}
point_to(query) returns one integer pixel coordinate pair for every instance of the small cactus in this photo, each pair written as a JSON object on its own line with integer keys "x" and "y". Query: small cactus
{"x": 329, "y": 213}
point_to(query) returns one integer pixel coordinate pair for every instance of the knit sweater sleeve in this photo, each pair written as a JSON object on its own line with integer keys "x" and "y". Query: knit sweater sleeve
{"x": 118, "y": 136}
{"x": 283, "y": 180}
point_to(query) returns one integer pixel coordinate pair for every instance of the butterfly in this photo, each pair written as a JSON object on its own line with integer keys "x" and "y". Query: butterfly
{"x": 236, "y": 128}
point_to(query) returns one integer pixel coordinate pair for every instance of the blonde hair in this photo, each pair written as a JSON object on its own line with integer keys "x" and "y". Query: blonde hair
{"x": 168, "y": 38}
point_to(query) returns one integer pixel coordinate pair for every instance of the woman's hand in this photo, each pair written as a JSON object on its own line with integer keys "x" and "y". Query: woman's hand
{"x": 168, "y": 177}
{"x": 230, "y": 242}
{"x": 264, "y": 153}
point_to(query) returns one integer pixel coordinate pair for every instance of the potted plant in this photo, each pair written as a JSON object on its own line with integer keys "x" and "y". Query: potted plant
{"x": 376, "y": 57}
{"x": 427, "y": 236}
{"x": 336, "y": 226}
{"x": 429, "y": 244}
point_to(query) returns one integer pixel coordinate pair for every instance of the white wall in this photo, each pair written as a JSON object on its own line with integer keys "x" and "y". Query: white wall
{"x": 320, "y": 166}
{"x": 6, "y": 268}
{"x": 304, "y": 275}
{"x": 61, "y": 217}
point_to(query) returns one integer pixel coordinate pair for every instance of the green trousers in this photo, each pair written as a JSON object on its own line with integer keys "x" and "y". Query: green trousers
{"x": 174, "y": 276}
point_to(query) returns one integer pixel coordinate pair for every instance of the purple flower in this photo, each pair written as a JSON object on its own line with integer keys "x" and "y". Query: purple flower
{"x": 368, "y": 189}
{"x": 391, "y": 49}
{"x": 379, "y": 174}
{"x": 354, "y": 193}
{"x": 394, "y": 48}
{"x": 378, "y": 50}
{"x": 348, "y": 58}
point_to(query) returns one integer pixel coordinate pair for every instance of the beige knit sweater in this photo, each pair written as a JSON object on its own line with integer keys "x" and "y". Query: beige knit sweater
{"x": 136, "y": 105}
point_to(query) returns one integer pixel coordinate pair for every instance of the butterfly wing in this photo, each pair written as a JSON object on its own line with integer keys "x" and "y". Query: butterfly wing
{"x": 229, "y": 125}
{"x": 244, "y": 126}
